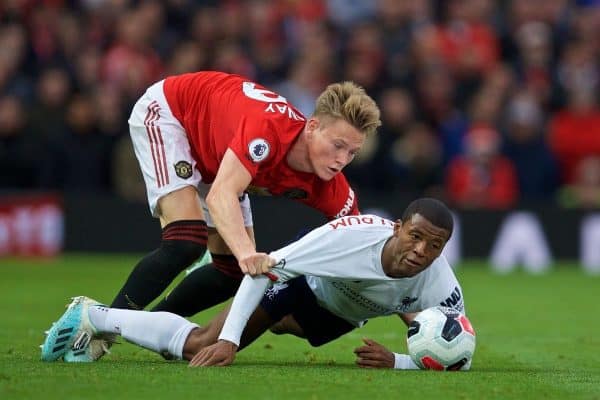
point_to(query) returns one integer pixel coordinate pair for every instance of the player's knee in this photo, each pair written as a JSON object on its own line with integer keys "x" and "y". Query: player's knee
{"x": 183, "y": 253}
{"x": 184, "y": 241}
{"x": 277, "y": 329}
{"x": 228, "y": 265}
{"x": 287, "y": 325}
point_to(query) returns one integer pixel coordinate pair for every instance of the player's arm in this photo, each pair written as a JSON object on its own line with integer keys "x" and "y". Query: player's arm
{"x": 246, "y": 300}
{"x": 375, "y": 355}
{"x": 407, "y": 318}
{"x": 231, "y": 180}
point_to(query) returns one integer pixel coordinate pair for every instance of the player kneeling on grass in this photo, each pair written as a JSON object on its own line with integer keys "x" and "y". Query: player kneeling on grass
{"x": 328, "y": 283}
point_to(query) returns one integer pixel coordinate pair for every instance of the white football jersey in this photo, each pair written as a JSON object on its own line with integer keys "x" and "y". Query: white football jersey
{"x": 342, "y": 262}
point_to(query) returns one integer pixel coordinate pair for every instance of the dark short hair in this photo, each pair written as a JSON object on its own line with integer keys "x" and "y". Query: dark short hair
{"x": 432, "y": 210}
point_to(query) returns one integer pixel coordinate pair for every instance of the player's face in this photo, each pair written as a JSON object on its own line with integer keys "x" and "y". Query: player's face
{"x": 415, "y": 245}
{"x": 332, "y": 145}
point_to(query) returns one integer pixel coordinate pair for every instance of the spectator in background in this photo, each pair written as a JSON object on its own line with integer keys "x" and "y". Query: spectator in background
{"x": 397, "y": 20}
{"x": 578, "y": 68}
{"x": 110, "y": 120}
{"x": 78, "y": 161}
{"x": 345, "y": 13}
{"x": 373, "y": 168}
{"x": 187, "y": 56}
{"x": 231, "y": 57}
{"x": 584, "y": 191}
{"x": 43, "y": 22}
{"x": 87, "y": 69}
{"x": 204, "y": 28}
{"x": 19, "y": 151}
{"x": 130, "y": 63}
{"x": 585, "y": 22}
{"x": 535, "y": 59}
{"x": 318, "y": 45}
{"x": 468, "y": 44}
{"x": 70, "y": 37}
{"x": 46, "y": 115}
{"x": 482, "y": 177}
{"x": 435, "y": 99}
{"x": 524, "y": 144}
{"x": 575, "y": 132}
{"x": 486, "y": 104}
{"x": 365, "y": 56}
{"x": 127, "y": 179}
{"x": 265, "y": 41}
{"x": 414, "y": 162}
{"x": 13, "y": 52}
{"x": 302, "y": 86}
{"x": 485, "y": 107}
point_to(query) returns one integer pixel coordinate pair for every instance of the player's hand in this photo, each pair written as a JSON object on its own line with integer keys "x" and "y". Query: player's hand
{"x": 219, "y": 354}
{"x": 373, "y": 355}
{"x": 257, "y": 264}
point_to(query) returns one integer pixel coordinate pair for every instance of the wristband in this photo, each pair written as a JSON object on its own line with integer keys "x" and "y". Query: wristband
{"x": 403, "y": 361}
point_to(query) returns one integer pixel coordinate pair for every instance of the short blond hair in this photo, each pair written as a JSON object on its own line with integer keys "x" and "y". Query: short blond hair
{"x": 350, "y": 102}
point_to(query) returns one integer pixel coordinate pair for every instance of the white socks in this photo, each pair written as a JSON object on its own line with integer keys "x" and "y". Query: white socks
{"x": 156, "y": 331}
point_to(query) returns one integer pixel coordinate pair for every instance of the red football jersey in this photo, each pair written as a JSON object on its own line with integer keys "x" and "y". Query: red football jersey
{"x": 221, "y": 111}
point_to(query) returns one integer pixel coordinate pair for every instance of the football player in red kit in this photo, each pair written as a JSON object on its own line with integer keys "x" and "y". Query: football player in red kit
{"x": 204, "y": 141}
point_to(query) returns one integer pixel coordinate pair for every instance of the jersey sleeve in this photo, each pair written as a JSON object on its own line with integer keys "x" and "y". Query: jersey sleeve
{"x": 336, "y": 199}
{"x": 244, "y": 303}
{"x": 255, "y": 144}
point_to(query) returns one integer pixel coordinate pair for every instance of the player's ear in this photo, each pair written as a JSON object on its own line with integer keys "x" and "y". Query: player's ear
{"x": 311, "y": 126}
{"x": 397, "y": 226}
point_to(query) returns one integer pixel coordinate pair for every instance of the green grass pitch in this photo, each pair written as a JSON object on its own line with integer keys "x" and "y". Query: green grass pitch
{"x": 538, "y": 337}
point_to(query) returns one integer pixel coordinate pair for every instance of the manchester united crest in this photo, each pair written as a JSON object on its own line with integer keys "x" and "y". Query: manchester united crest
{"x": 183, "y": 169}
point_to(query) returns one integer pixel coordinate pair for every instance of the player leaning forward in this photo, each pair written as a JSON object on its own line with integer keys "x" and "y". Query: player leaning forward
{"x": 204, "y": 140}
{"x": 329, "y": 282}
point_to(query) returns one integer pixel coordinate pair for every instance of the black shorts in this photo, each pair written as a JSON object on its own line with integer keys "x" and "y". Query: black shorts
{"x": 296, "y": 298}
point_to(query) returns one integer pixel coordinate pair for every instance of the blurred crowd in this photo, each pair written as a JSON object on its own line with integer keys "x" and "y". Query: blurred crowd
{"x": 486, "y": 104}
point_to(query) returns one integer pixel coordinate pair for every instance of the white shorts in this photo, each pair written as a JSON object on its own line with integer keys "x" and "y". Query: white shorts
{"x": 163, "y": 152}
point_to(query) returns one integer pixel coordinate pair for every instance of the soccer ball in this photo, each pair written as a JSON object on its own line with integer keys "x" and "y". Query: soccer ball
{"x": 441, "y": 338}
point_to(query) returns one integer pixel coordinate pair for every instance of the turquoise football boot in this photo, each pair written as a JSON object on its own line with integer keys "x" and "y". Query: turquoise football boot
{"x": 73, "y": 331}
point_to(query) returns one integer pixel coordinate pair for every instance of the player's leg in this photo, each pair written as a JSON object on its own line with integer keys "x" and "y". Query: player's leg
{"x": 288, "y": 325}
{"x": 279, "y": 302}
{"x": 258, "y": 323}
{"x": 306, "y": 318}
{"x": 160, "y": 332}
{"x": 203, "y": 288}
{"x": 213, "y": 283}
{"x": 86, "y": 318}
{"x": 164, "y": 154}
{"x": 200, "y": 338}
{"x": 183, "y": 241}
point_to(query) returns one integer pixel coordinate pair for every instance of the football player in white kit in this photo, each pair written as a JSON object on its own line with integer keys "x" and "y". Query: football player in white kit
{"x": 329, "y": 282}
